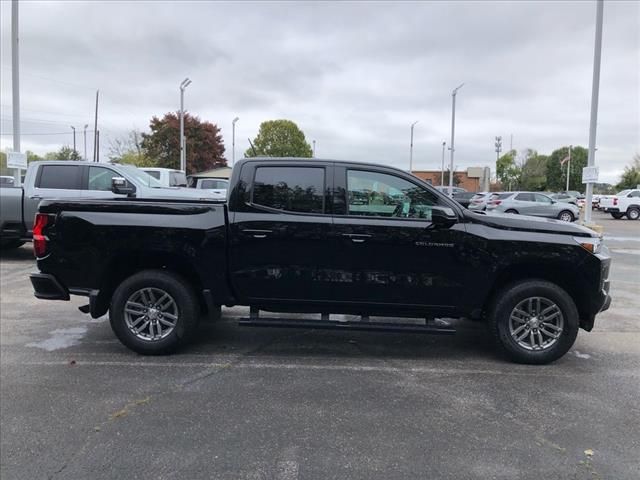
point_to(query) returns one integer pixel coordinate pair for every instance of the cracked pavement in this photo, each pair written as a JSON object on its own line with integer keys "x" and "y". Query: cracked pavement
{"x": 254, "y": 403}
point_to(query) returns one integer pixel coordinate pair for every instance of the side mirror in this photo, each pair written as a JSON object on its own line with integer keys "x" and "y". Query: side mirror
{"x": 443, "y": 217}
{"x": 121, "y": 186}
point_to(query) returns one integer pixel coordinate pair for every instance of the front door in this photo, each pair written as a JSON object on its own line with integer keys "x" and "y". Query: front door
{"x": 394, "y": 253}
{"x": 280, "y": 226}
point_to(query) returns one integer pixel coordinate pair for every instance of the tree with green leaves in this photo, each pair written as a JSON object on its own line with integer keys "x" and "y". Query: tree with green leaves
{"x": 557, "y": 173}
{"x": 533, "y": 172}
{"x": 507, "y": 171}
{"x": 65, "y": 153}
{"x": 280, "y": 138}
{"x": 631, "y": 176}
{"x": 205, "y": 148}
{"x": 129, "y": 150}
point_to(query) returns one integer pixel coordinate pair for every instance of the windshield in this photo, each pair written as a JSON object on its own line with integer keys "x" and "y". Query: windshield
{"x": 141, "y": 176}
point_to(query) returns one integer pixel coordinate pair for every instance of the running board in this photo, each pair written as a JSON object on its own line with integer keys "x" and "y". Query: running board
{"x": 348, "y": 325}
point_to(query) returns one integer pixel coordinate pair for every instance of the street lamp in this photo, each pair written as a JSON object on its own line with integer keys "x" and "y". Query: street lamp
{"x": 498, "y": 145}
{"x": 74, "y": 138}
{"x": 233, "y": 140}
{"x": 85, "y": 141}
{"x": 314, "y": 149}
{"x": 453, "y": 130}
{"x": 442, "y": 169}
{"x": 183, "y": 158}
{"x": 411, "y": 148}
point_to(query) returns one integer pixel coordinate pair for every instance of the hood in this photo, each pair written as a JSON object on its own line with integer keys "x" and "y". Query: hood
{"x": 527, "y": 223}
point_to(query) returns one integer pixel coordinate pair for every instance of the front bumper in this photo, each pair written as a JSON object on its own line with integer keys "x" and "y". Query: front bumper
{"x": 47, "y": 287}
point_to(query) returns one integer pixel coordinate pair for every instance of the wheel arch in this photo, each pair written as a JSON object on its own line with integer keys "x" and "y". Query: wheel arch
{"x": 562, "y": 275}
{"x": 124, "y": 266}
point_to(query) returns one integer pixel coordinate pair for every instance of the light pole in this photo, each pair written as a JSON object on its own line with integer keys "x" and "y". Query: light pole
{"x": 15, "y": 86}
{"x": 314, "y": 149}
{"x": 568, "y": 169}
{"x": 233, "y": 141}
{"x": 453, "y": 130}
{"x": 444, "y": 144}
{"x": 85, "y": 141}
{"x": 183, "y": 157}
{"x": 74, "y": 138}
{"x": 595, "y": 89}
{"x": 411, "y": 147}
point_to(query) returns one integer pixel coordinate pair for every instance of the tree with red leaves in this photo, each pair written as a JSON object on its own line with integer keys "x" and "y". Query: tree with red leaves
{"x": 205, "y": 148}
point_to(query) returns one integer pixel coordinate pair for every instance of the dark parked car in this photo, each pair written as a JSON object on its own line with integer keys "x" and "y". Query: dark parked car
{"x": 326, "y": 237}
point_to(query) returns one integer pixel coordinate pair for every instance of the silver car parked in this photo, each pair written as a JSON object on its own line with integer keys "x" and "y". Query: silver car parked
{"x": 532, "y": 203}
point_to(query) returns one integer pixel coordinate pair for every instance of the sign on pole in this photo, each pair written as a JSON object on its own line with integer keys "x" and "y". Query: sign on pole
{"x": 590, "y": 175}
{"x": 17, "y": 160}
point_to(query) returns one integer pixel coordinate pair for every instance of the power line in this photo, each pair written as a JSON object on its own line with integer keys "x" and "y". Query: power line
{"x": 34, "y": 120}
{"x": 52, "y": 133}
{"x": 50, "y": 79}
{"x": 45, "y": 112}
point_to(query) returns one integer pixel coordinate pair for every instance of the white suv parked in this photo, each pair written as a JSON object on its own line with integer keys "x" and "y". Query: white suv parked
{"x": 626, "y": 202}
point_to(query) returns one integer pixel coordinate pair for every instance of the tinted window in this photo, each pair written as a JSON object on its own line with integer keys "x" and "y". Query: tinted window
{"x": 500, "y": 196}
{"x": 525, "y": 197}
{"x": 154, "y": 174}
{"x": 64, "y": 177}
{"x": 214, "y": 184}
{"x": 100, "y": 178}
{"x": 382, "y": 195}
{"x": 635, "y": 194}
{"x": 296, "y": 189}
{"x": 542, "y": 198}
{"x": 177, "y": 179}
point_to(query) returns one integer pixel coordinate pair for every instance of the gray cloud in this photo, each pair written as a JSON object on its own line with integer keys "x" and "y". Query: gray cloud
{"x": 353, "y": 75}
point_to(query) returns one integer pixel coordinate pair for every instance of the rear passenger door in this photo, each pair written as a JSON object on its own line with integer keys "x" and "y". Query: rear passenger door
{"x": 525, "y": 203}
{"x": 52, "y": 181}
{"x": 280, "y": 233}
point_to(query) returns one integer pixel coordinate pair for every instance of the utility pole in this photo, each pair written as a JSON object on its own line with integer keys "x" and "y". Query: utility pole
{"x": 74, "y": 138}
{"x": 95, "y": 130}
{"x": 453, "y": 130}
{"x": 85, "y": 141}
{"x": 314, "y": 149}
{"x": 411, "y": 147}
{"x": 498, "y": 150}
{"x": 98, "y": 146}
{"x": 568, "y": 169}
{"x": 15, "y": 87}
{"x": 183, "y": 157}
{"x": 595, "y": 90}
{"x": 233, "y": 141}
{"x": 511, "y": 143}
{"x": 442, "y": 169}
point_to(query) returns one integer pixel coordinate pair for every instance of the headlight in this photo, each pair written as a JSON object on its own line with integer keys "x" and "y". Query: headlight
{"x": 590, "y": 244}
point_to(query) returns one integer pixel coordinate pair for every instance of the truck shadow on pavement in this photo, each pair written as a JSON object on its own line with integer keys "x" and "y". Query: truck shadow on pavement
{"x": 25, "y": 252}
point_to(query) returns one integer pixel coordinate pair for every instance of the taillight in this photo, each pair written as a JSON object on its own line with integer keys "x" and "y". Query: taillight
{"x": 615, "y": 201}
{"x": 39, "y": 239}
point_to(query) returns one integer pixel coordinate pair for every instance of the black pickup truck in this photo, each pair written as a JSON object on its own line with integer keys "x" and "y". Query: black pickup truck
{"x": 324, "y": 237}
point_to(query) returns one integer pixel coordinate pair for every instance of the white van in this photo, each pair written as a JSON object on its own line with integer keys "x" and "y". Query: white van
{"x": 167, "y": 177}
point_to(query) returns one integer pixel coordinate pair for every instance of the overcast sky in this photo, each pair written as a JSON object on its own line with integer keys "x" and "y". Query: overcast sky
{"x": 353, "y": 76}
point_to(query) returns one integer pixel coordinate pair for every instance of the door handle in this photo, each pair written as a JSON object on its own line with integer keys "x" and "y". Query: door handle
{"x": 255, "y": 233}
{"x": 35, "y": 197}
{"x": 357, "y": 237}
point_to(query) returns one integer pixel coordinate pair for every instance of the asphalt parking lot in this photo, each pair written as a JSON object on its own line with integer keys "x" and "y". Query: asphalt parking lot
{"x": 247, "y": 403}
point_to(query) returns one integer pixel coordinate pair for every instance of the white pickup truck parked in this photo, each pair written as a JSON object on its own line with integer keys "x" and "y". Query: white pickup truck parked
{"x": 626, "y": 202}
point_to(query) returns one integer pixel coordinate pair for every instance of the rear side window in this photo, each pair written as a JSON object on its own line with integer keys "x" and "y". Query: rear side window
{"x": 155, "y": 174}
{"x": 525, "y": 197}
{"x": 213, "y": 184}
{"x": 295, "y": 189}
{"x": 61, "y": 177}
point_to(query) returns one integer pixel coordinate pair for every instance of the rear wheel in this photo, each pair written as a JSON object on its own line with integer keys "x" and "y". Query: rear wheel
{"x": 154, "y": 312}
{"x": 617, "y": 215}
{"x": 566, "y": 216}
{"x": 633, "y": 213}
{"x": 534, "y": 321}
{"x": 511, "y": 210}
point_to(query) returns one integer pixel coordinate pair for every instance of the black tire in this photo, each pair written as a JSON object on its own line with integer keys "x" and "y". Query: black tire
{"x": 511, "y": 210}
{"x": 185, "y": 302}
{"x": 566, "y": 216}
{"x": 10, "y": 244}
{"x": 503, "y": 306}
{"x": 633, "y": 213}
{"x": 617, "y": 215}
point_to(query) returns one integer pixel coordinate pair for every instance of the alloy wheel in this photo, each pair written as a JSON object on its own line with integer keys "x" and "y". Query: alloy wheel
{"x": 536, "y": 323}
{"x": 151, "y": 314}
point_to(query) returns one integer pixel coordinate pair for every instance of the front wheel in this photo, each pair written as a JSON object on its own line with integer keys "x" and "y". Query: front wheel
{"x": 534, "y": 321}
{"x": 617, "y": 215}
{"x": 566, "y": 216}
{"x": 633, "y": 213}
{"x": 154, "y": 312}
{"x": 511, "y": 210}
